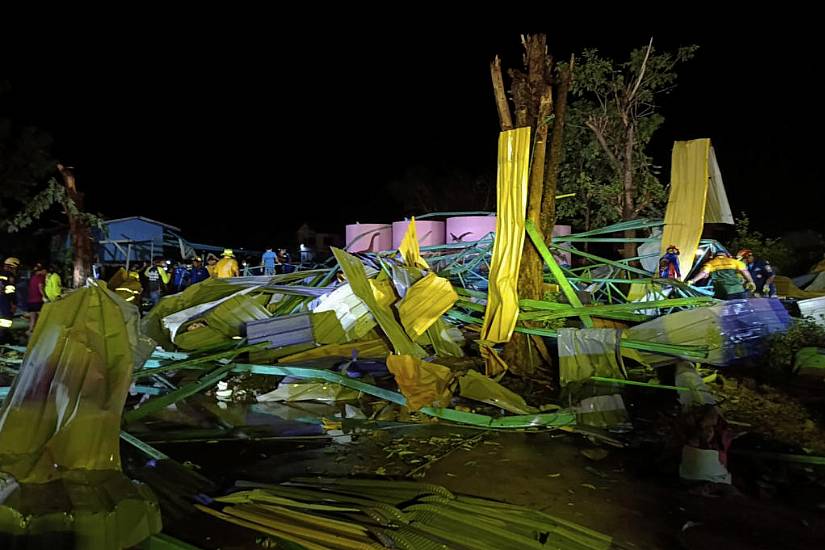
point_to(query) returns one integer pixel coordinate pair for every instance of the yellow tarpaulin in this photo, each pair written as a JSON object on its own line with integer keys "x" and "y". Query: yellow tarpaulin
{"x": 697, "y": 196}
{"x": 410, "y": 250}
{"x": 502, "y": 295}
{"x": 423, "y": 384}
{"x": 426, "y": 301}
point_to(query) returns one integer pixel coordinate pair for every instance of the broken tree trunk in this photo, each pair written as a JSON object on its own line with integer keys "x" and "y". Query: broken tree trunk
{"x": 504, "y": 117}
{"x": 78, "y": 228}
{"x": 551, "y": 178}
{"x": 532, "y": 95}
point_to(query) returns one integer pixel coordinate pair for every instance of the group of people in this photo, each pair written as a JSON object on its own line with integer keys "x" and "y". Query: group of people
{"x": 44, "y": 285}
{"x": 733, "y": 278}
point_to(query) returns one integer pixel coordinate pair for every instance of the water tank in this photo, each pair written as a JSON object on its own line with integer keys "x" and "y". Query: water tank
{"x": 368, "y": 237}
{"x": 429, "y": 233}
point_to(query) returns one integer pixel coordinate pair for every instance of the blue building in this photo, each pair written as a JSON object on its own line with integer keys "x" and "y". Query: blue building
{"x": 137, "y": 239}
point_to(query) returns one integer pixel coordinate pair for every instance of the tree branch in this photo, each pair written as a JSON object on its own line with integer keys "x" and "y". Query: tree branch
{"x": 641, "y": 73}
{"x": 603, "y": 142}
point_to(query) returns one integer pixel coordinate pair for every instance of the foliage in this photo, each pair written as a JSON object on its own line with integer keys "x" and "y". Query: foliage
{"x": 613, "y": 106}
{"x": 783, "y": 347}
{"x": 773, "y": 250}
{"x": 53, "y": 194}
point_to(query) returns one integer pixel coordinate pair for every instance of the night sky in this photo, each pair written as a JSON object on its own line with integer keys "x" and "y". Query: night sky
{"x": 238, "y": 127}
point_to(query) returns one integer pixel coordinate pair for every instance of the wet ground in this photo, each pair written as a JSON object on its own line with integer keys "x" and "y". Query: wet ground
{"x": 632, "y": 494}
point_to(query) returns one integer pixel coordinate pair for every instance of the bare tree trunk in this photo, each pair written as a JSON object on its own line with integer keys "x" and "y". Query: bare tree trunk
{"x": 628, "y": 209}
{"x": 78, "y": 230}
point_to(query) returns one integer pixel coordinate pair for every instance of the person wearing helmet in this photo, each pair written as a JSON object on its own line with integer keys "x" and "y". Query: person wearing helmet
{"x": 761, "y": 272}
{"x": 212, "y": 265}
{"x": 669, "y": 264}
{"x": 227, "y": 266}
{"x": 8, "y": 296}
{"x": 198, "y": 273}
{"x": 126, "y": 284}
{"x": 725, "y": 274}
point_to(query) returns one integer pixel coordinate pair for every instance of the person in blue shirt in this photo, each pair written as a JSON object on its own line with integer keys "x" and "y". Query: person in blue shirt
{"x": 761, "y": 272}
{"x": 268, "y": 259}
{"x": 180, "y": 277}
{"x": 198, "y": 272}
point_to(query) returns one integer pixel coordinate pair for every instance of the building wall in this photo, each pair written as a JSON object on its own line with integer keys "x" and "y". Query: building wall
{"x": 146, "y": 233}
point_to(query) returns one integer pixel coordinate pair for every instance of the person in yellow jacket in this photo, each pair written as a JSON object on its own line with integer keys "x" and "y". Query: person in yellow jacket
{"x": 126, "y": 284}
{"x": 54, "y": 286}
{"x": 8, "y": 296}
{"x": 227, "y": 266}
{"x": 212, "y": 265}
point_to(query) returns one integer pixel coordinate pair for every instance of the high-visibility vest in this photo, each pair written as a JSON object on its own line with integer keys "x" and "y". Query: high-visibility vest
{"x": 54, "y": 287}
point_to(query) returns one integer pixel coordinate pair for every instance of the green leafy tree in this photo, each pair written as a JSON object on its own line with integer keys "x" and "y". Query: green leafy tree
{"x": 611, "y": 121}
{"x": 771, "y": 249}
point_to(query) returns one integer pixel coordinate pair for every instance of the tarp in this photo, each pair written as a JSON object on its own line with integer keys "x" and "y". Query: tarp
{"x": 697, "y": 196}
{"x": 732, "y": 330}
{"x": 502, "y": 298}
{"x": 588, "y": 352}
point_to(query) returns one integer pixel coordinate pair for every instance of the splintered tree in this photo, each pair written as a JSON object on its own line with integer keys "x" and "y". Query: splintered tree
{"x": 66, "y": 196}
{"x": 532, "y": 94}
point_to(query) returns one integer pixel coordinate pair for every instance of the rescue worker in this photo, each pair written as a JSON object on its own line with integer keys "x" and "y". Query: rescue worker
{"x": 227, "y": 266}
{"x": 198, "y": 273}
{"x": 211, "y": 265}
{"x": 157, "y": 278}
{"x": 127, "y": 285}
{"x": 761, "y": 272}
{"x": 180, "y": 277}
{"x": 725, "y": 274}
{"x": 8, "y": 296}
{"x": 669, "y": 264}
{"x": 54, "y": 286}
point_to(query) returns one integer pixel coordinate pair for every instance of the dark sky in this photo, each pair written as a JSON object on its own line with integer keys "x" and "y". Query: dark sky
{"x": 239, "y": 126}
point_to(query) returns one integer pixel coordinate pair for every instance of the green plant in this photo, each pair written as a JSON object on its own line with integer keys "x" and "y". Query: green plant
{"x": 773, "y": 250}
{"x": 782, "y": 348}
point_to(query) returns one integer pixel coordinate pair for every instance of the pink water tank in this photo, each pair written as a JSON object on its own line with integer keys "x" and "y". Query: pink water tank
{"x": 469, "y": 229}
{"x": 429, "y": 233}
{"x": 369, "y": 237}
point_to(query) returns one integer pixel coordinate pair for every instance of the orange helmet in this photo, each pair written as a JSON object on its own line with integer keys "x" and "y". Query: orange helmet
{"x": 744, "y": 253}
{"x": 672, "y": 247}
